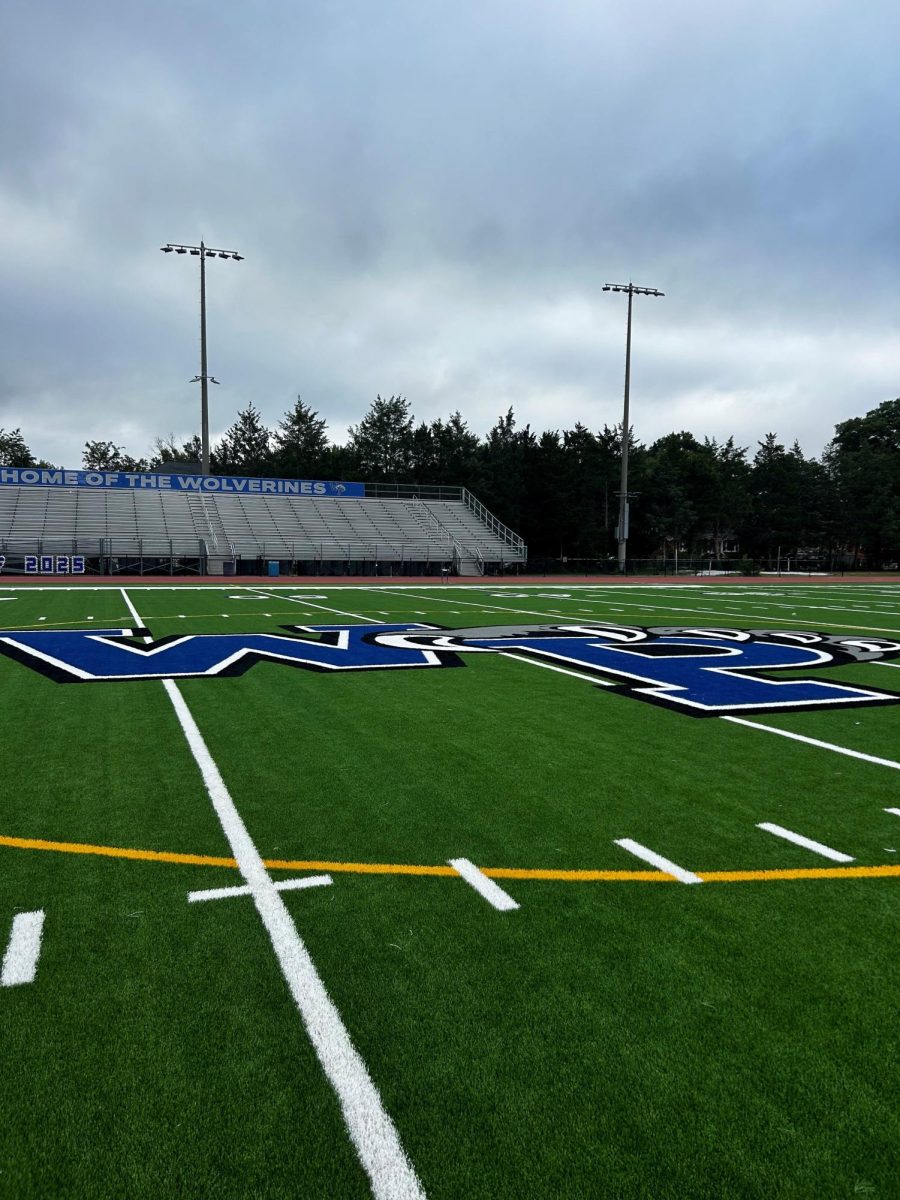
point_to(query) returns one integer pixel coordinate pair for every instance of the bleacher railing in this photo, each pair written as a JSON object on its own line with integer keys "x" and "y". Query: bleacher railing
{"x": 496, "y": 527}
{"x": 413, "y": 491}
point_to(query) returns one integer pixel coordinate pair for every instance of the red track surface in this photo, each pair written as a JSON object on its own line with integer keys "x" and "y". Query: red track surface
{"x": 387, "y": 580}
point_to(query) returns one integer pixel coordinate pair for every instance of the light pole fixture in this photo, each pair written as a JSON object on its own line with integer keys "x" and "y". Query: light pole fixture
{"x": 622, "y": 528}
{"x": 203, "y": 253}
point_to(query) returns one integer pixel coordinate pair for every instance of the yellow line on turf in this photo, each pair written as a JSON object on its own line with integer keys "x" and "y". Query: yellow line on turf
{"x": 805, "y": 873}
{"x": 354, "y": 868}
{"x": 551, "y": 875}
{"x": 195, "y": 860}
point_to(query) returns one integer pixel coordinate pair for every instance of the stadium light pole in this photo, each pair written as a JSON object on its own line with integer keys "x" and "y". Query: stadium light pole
{"x": 202, "y": 252}
{"x": 622, "y": 528}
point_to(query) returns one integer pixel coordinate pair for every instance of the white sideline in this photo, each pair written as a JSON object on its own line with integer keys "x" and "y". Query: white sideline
{"x": 485, "y": 887}
{"x": 894, "y": 811}
{"x": 373, "y": 1133}
{"x": 283, "y": 885}
{"x": 807, "y": 843}
{"x": 21, "y": 957}
{"x": 799, "y": 737}
{"x": 657, "y": 860}
{"x": 371, "y": 1129}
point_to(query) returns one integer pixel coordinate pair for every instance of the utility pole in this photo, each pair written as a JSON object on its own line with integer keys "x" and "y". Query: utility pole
{"x": 622, "y": 528}
{"x": 203, "y": 253}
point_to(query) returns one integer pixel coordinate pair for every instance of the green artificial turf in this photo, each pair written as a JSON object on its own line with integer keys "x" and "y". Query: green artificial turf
{"x": 627, "y": 1039}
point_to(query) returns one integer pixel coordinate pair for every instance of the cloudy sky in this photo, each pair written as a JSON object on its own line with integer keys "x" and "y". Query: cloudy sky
{"x": 429, "y": 198}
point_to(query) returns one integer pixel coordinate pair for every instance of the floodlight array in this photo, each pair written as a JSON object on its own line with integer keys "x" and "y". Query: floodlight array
{"x": 203, "y": 252}
{"x": 632, "y": 288}
{"x": 206, "y": 251}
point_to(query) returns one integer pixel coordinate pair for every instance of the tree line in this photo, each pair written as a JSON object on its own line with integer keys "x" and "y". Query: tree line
{"x": 559, "y": 489}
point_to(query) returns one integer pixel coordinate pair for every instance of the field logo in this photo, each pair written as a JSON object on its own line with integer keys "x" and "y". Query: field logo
{"x": 703, "y": 672}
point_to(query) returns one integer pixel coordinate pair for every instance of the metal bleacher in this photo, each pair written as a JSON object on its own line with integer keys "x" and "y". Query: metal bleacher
{"x": 97, "y": 521}
{"x": 117, "y": 526}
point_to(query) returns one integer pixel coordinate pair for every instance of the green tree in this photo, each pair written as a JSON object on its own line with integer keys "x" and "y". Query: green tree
{"x": 786, "y": 512}
{"x": 13, "y": 450}
{"x": 169, "y": 450}
{"x": 863, "y": 466}
{"x": 107, "y": 456}
{"x": 677, "y": 481}
{"x": 729, "y": 501}
{"x": 506, "y": 460}
{"x": 300, "y": 442}
{"x": 246, "y": 447}
{"x": 423, "y": 454}
{"x": 543, "y": 502}
{"x": 697, "y": 494}
{"x": 456, "y": 452}
{"x": 382, "y": 443}
{"x": 586, "y": 493}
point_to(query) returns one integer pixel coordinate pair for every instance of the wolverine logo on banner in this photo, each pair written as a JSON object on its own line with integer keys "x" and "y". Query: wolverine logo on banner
{"x": 703, "y": 672}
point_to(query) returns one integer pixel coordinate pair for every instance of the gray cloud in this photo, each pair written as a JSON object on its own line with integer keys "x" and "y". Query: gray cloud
{"x": 429, "y": 199}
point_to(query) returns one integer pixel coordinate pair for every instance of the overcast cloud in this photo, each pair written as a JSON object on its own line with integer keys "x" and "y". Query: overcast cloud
{"x": 430, "y": 197}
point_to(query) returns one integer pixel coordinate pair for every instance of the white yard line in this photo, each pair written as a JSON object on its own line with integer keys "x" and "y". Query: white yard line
{"x": 894, "y": 811}
{"x": 498, "y": 608}
{"x": 21, "y": 957}
{"x": 809, "y": 741}
{"x": 485, "y": 887}
{"x": 222, "y": 893}
{"x": 537, "y": 662}
{"x": 324, "y": 607}
{"x": 795, "y": 605}
{"x": 373, "y": 1133}
{"x": 132, "y": 609}
{"x": 763, "y": 618}
{"x": 657, "y": 860}
{"x": 807, "y": 843}
{"x": 283, "y": 885}
{"x": 662, "y": 607}
{"x": 306, "y": 881}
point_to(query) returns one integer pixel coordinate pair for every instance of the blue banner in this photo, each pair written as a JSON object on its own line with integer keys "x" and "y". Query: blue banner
{"x": 143, "y": 481}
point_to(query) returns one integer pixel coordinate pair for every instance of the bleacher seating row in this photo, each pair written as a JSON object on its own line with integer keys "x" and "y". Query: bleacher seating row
{"x": 95, "y": 521}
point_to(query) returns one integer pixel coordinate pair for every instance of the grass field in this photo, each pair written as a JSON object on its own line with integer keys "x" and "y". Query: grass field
{"x": 387, "y": 1029}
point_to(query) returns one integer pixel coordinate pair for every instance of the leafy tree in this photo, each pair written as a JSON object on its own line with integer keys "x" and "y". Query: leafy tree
{"x": 382, "y": 443}
{"x": 456, "y": 452}
{"x": 506, "y": 459}
{"x": 168, "y": 450}
{"x": 729, "y": 501}
{"x": 782, "y": 516}
{"x": 13, "y": 450}
{"x": 697, "y": 494}
{"x": 582, "y": 496}
{"x": 246, "y": 447}
{"x": 339, "y": 462}
{"x": 107, "y": 456}
{"x": 423, "y": 454}
{"x": 300, "y": 442}
{"x": 863, "y": 465}
{"x": 678, "y": 480}
{"x": 543, "y": 502}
